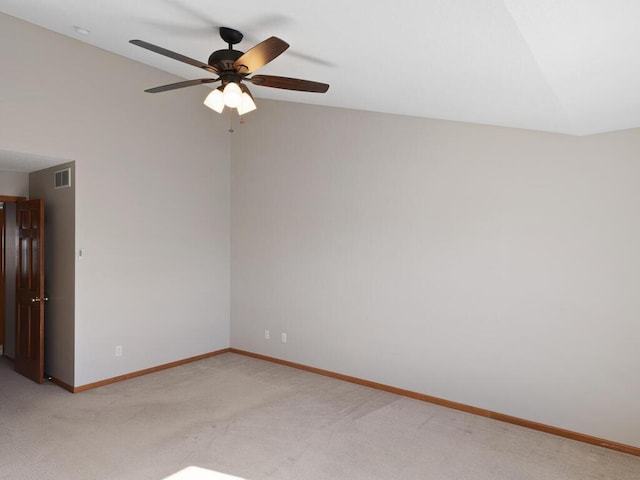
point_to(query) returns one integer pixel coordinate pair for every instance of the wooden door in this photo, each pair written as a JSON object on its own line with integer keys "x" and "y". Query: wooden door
{"x": 2, "y": 278}
{"x": 29, "y": 355}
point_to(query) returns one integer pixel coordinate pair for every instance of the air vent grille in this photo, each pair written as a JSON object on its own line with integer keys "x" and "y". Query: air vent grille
{"x": 62, "y": 178}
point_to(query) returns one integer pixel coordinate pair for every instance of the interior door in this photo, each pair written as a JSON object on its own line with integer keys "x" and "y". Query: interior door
{"x": 2, "y": 279}
{"x": 29, "y": 354}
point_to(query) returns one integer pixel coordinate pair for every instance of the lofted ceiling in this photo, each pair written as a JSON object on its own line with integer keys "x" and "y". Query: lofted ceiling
{"x": 567, "y": 66}
{"x": 26, "y": 162}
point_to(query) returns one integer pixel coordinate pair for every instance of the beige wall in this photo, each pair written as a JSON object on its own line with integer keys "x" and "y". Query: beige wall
{"x": 152, "y": 197}
{"x": 489, "y": 266}
{"x": 60, "y": 233}
{"x": 14, "y": 184}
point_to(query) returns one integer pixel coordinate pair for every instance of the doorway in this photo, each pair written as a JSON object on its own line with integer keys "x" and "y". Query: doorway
{"x": 60, "y": 265}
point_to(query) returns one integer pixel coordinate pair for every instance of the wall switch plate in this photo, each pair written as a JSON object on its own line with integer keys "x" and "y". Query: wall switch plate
{"x": 267, "y": 335}
{"x": 118, "y": 350}
{"x": 283, "y": 337}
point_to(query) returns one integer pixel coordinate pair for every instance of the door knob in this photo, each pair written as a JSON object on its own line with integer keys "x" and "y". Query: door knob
{"x": 38, "y": 299}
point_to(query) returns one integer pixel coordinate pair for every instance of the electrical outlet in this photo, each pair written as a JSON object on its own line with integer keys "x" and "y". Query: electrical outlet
{"x": 118, "y": 350}
{"x": 266, "y": 334}
{"x": 283, "y": 337}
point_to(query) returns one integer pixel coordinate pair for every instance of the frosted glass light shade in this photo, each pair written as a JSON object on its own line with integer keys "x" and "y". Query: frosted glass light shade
{"x": 215, "y": 100}
{"x": 232, "y": 95}
{"x": 246, "y": 104}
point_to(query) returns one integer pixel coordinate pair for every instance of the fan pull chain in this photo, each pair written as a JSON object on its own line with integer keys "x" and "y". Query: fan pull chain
{"x": 230, "y": 121}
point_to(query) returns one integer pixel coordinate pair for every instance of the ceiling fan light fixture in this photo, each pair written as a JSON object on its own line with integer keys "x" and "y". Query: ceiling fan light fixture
{"x": 232, "y": 95}
{"x": 246, "y": 104}
{"x": 215, "y": 100}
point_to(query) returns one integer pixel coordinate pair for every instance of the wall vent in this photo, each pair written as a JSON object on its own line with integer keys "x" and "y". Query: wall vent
{"x": 62, "y": 178}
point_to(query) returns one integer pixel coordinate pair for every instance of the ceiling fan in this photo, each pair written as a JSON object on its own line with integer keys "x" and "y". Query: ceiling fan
{"x": 232, "y": 67}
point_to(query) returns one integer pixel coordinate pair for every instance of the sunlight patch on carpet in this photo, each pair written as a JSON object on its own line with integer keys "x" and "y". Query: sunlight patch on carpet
{"x": 197, "y": 473}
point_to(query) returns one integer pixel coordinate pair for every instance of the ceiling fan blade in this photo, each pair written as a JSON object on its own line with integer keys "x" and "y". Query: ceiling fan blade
{"x": 187, "y": 83}
{"x": 288, "y": 83}
{"x": 260, "y": 55}
{"x": 174, "y": 55}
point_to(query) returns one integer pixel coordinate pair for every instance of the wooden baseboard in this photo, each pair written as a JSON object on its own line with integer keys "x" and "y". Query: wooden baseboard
{"x": 60, "y": 383}
{"x": 139, "y": 373}
{"x": 580, "y": 437}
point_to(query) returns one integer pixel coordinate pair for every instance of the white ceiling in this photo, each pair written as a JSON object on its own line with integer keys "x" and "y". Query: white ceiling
{"x": 568, "y": 66}
{"x": 26, "y": 162}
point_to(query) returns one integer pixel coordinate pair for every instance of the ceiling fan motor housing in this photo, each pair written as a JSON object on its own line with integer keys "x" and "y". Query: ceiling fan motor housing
{"x": 223, "y": 60}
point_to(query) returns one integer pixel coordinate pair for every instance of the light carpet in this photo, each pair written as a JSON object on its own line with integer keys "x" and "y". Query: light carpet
{"x": 257, "y": 420}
